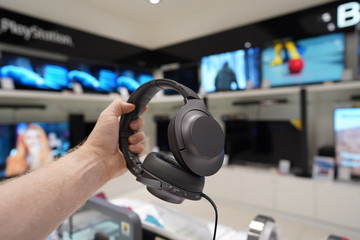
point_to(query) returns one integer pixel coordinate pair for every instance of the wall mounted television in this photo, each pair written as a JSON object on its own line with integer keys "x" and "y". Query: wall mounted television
{"x": 29, "y": 72}
{"x": 307, "y": 61}
{"x": 131, "y": 79}
{"x": 347, "y": 138}
{"x": 187, "y": 75}
{"x": 357, "y": 50}
{"x": 230, "y": 71}
{"x": 29, "y": 146}
{"x": 264, "y": 143}
{"x": 93, "y": 77}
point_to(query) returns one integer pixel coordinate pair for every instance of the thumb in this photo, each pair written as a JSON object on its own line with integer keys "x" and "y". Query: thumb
{"x": 118, "y": 107}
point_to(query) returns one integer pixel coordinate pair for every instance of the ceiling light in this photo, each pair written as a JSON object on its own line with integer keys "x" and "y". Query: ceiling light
{"x": 154, "y": 1}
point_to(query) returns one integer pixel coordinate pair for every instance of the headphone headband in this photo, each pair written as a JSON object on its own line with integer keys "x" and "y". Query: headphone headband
{"x": 147, "y": 91}
{"x": 141, "y": 97}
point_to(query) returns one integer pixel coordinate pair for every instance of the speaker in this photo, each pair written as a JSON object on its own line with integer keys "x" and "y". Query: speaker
{"x": 196, "y": 141}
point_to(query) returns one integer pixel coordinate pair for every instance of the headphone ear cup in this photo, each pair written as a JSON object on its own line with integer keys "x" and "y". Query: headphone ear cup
{"x": 174, "y": 147}
{"x": 168, "y": 170}
{"x": 196, "y": 140}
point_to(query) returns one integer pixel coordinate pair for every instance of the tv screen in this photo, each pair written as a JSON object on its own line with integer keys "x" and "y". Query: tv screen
{"x": 28, "y": 146}
{"x": 132, "y": 79}
{"x": 357, "y": 49}
{"x": 264, "y": 142}
{"x": 185, "y": 75}
{"x": 307, "y": 61}
{"x": 34, "y": 73}
{"x": 229, "y": 71}
{"x": 347, "y": 138}
{"x": 93, "y": 77}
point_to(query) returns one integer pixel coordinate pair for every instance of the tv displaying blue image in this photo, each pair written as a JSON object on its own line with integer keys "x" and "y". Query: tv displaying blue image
{"x": 307, "y": 61}
{"x": 231, "y": 71}
{"x": 34, "y": 73}
{"x": 29, "y": 146}
{"x": 94, "y": 78}
{"x": 132, "y": 79}
{"x": 347, "y": 138}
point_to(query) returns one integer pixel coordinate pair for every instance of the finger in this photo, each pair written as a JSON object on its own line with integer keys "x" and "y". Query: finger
{"x": 137, "y": 138}
{"x": 137, "y": 124}
{"x": 136, "y": 148}
{"x": 118, "y": 107}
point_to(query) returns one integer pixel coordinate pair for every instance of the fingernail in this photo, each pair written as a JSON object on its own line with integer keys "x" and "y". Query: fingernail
{"x": 132, "y": 148}
{"x": 135, "y": 124}
{"x": 133, "y": 139}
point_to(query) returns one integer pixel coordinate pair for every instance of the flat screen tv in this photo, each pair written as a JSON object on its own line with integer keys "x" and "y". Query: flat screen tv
{"x": 264, "y": 143}
{"x": 28, "y": 146}
{"x": 357, "y": 55}
{"x": 307, "y": 61}
{"x": 132, "y": 79}
{"x": 347, "y": 138}
{"x": 29, "y": 72}
{"x": 92, "y": 76}
{"x": 230, "y": 71}
{"x": 187, "y": 75}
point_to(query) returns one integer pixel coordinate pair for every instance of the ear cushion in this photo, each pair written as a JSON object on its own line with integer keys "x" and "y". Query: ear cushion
{"x": 168, "y": 170}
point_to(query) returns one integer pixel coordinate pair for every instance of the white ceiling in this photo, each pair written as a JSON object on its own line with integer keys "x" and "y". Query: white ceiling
{"x": 153, "y": 26}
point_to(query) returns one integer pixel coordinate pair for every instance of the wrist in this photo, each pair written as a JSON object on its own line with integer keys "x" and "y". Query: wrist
{"x": 90, "y": 163}
{"x": 109, "y": 161}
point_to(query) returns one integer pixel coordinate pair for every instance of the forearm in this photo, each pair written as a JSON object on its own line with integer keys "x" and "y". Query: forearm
{"x": 49, "y": 195}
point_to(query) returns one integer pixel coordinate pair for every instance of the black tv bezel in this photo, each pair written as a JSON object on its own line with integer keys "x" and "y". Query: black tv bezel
{"x": 196, "y": 86}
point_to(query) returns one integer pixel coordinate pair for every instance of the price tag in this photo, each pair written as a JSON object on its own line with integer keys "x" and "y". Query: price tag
{"x": 124, "y": 93}
{"x": 7, "y": 83}
{"x": 77, "y": 88}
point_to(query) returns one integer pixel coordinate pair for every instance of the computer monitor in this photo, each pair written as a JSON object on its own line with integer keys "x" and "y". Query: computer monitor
{"x": 307, "y": 61}
{"x": 187, "y": 75}
{"x": 131, "y": 79}
{"x": 264, "y": 142}
{"x": 230, "y": 71}
{"x": 29, "y": 146}
{"x": 347, "y": 138}
{"x": 93, "y": 77}
{"x": 28, "y": 72}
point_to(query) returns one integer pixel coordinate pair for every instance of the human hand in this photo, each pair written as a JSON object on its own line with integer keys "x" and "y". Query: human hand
{"x": 103, "y": 140}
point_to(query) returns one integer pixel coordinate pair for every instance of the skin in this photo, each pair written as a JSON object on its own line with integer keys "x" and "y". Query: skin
{"x": 33, "y": 205}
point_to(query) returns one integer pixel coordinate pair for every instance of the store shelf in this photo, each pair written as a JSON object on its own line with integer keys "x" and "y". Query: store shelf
{"x": 254, "y": 93}
{"x": 58, "y": 96}
{"x": 268, "y": 190}
{"x": 328, "y": 87}
{"x": 8, "y": 96}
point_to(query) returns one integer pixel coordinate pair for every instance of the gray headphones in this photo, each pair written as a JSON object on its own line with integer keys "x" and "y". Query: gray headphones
{"x": 196, "y": 140}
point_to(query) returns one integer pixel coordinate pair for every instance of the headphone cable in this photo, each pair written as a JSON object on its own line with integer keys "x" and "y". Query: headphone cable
{"x": 216, "y": 212}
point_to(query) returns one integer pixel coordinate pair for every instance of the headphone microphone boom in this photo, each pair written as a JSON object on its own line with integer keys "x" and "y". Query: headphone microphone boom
{"x": 196, "y": 141}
